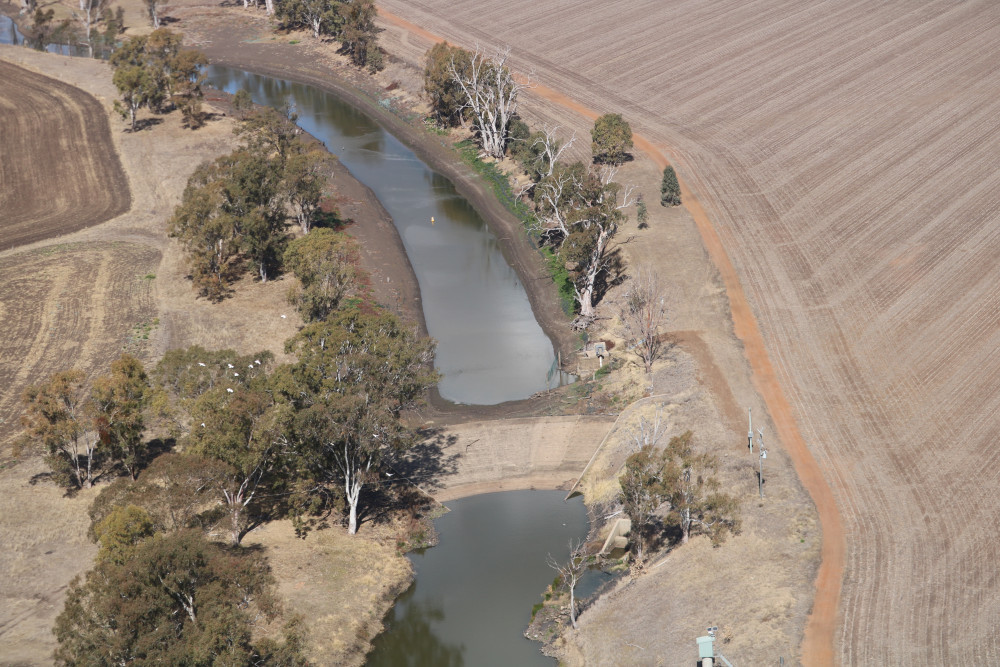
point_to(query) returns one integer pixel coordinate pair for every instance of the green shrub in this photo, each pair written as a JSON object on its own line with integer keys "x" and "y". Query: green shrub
{"x": 670, "y": 189}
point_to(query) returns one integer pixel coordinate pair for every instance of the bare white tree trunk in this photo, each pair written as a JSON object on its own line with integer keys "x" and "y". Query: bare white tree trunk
{"x": 491, "y": 95}
{"x": 237, "y": 501}
{"x": 596, "y": 264}
{"x": 354, "y": 467}
{"x": 269, "y": 7}
{"x": 571, "y": 572}
{"x": 154, "y": 13}
{"x": 551, "y": 148}
{"x": 552, "y": 214}
{"x": 648, "y": 432}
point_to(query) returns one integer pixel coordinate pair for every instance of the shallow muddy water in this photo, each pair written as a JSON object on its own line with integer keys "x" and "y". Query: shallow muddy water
{"x": 490, "y": 347}
{"x": 473, "y": 593}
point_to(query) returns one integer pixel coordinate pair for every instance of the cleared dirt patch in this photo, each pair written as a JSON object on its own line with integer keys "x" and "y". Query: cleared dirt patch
{"x": 53, "y": 133}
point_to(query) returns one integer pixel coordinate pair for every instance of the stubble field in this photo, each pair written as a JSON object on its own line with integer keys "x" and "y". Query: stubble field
{"x": 847, "y": 155}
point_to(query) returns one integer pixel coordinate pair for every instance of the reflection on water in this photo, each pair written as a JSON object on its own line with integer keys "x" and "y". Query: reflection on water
{"x": 9, "y": 34}
{"x": 473, "y": 594}
{"x": 413, "y": 640}
{"x": 490, "y": 347}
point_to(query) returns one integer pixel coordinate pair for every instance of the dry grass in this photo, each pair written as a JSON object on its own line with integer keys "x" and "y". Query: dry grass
{"x": 45, "y": 545}
{"x": 341, "y": 585}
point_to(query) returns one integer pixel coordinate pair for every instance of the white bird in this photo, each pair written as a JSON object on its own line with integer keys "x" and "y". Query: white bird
{"x": 236, "y": 375}
{"x": 257, "y": 361}
{"x": 250, "y": 366}
{"x": 200, "y": 364}
{"x": 229, "y": 390}
{"x": 230, "y": 365}
{"x": 203, "y": 424}
{"x": 282, "y": 317}
{"x": 389, "y": 474}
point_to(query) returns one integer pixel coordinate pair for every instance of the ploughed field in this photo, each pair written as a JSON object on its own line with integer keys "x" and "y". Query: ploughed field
{"x": 849, "y": 156}
{"x": 58, "y": 168}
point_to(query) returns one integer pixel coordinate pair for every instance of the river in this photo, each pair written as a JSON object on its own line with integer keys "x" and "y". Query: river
{"x": 490, "y": 347}
{"x": 472, "y": 597}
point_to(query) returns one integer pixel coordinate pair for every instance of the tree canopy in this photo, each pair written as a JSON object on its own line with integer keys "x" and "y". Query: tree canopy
{"x": 174, "y": 599}
{"x": 670, "y": 188}
{"x": 448, "y": 100}
{"x": 324, "y": 262}
{"x": 153, "y": 69}
{"x": 234, "y": 211}
{"x": 677, "y": 483}
{"x": 611, "y": 139}
{"x": 88, "y": 428}
{"x": 356, "y": 373}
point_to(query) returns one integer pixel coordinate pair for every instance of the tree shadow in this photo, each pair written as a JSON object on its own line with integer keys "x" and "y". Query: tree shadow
{"x": 427, "y": 464}
{"x": 37, "y": 478}
{"x": 144, "y": 123}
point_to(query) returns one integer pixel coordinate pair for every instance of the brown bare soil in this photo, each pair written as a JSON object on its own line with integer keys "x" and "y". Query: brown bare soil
{"x": 54, "y": 133}
{"x": 846, "y": 157}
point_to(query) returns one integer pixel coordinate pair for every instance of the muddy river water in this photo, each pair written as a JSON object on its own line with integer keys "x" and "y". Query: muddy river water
{"x": 490, "y": 347}
{"x": 473, "y": 593}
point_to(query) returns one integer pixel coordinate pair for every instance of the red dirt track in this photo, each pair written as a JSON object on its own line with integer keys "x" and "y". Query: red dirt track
{"x": 64, "y": 139}
{"x": 846, "y": 155}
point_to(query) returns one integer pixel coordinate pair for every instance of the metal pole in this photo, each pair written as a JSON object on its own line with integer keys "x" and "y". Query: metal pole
{"x": 760, "y": 475}
{"x": 762, "y": 455}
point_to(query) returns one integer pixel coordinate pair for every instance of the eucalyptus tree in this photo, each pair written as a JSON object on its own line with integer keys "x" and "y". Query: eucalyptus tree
{"x": 355, "y": 375}
{"x": 491, "y": 95}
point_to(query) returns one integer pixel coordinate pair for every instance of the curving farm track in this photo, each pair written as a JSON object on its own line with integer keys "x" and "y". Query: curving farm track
{"x": 53, "y": 133}
{"x": 847, "y": 155}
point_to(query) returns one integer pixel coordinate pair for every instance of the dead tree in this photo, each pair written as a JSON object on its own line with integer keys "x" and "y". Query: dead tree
{"x": 648, "y": 432}
{"x": 644, "y": 314}
{"x": 491, "y": 94}
{"x": 550, "y": 148}
{"x": 570, "y": 572}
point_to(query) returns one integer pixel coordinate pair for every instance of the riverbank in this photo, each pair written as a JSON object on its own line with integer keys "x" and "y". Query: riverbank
{"x": 243, "y": 40}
